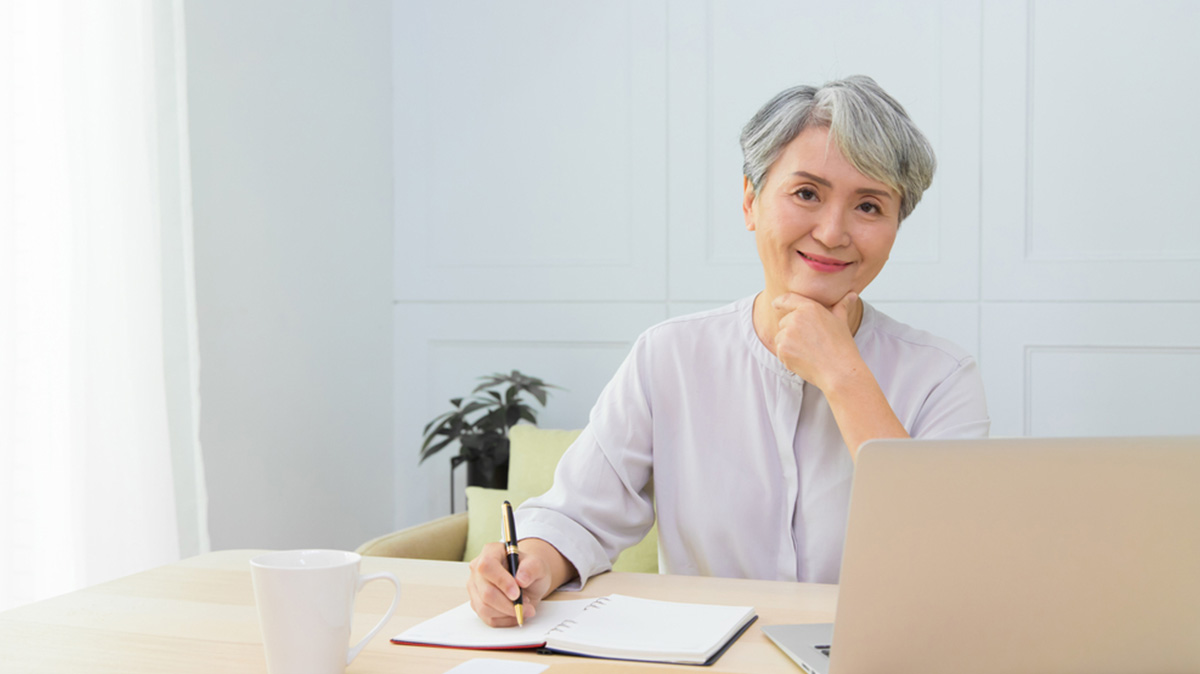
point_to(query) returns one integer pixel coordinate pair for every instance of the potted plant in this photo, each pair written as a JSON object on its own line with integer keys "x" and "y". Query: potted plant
{"x": 480, "y": 426}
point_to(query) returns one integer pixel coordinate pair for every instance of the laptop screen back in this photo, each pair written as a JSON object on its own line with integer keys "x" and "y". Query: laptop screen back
{"x": 1002, "y": 555}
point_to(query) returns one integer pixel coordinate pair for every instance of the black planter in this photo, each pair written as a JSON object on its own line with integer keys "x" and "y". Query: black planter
{"x": 487, "y": 463}
{"x": 487, "y": 473}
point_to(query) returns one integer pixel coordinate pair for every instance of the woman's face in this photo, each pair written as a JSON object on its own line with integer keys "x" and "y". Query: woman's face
{"x": 822, "y": 228}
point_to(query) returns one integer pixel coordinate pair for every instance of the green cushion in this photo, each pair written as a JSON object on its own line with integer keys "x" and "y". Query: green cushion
{"x": 533, "y": 455}
{"x": 643, "y": 557}
{"x": 483, "y": 518}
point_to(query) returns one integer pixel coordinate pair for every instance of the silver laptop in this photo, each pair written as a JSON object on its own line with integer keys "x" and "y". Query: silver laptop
{"x": 1066, "y": 555}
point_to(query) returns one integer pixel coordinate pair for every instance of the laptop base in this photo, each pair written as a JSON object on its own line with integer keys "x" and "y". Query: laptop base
{"x": 802, "y": 644}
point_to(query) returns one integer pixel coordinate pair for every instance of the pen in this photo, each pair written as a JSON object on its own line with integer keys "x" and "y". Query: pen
{"x": 510, "y": 546}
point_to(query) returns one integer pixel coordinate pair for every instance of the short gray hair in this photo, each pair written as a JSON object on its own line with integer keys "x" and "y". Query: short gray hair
{"x": 870, "y": 128}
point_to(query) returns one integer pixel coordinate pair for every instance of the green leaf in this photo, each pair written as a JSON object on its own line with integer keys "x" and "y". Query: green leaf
{"x": 488, "y": 382}
{"x": 440, "y": 420}
{"x": 426, "y": 453}
{"x": 482, "y": 437}
{"x": 475, "y": 405}
{"x": 512, "y": 416}
{"x": 493, "y": 420}
{"x": 440, "y": 430}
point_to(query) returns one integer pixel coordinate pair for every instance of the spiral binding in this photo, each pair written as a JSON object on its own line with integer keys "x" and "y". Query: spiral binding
{"x": 563, "y": 626}
{"x": 570, "y": 622}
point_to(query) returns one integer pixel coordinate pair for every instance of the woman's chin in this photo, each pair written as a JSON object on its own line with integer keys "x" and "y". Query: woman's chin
{"x": 825, "y": 296}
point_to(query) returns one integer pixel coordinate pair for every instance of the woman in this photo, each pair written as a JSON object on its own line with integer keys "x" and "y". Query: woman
{"x": 740, "y": 425}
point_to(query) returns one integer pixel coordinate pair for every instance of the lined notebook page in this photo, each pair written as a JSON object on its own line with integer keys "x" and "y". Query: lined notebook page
{"x": 620, "y": 626}
{"x": 461, "y": 628}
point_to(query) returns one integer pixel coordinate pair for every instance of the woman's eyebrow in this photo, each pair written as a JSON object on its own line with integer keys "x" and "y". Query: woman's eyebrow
{"x": 814, "y": 178}
{"x": 826, "y": 183}
{"x": 871, "y": 190}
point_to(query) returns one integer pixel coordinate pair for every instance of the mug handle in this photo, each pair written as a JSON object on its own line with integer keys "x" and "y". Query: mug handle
{"x": 363, "y": 580}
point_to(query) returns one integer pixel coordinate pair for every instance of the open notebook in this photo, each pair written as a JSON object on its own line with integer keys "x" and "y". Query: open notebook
{"x": 617, "y": 627}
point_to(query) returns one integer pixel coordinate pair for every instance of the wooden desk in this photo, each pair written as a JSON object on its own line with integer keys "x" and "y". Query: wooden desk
{"x": 198, "y": 615}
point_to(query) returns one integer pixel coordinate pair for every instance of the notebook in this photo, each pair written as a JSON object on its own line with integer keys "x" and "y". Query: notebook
{"x": 616, "y": 627}
{"x": 1064, "y": 555}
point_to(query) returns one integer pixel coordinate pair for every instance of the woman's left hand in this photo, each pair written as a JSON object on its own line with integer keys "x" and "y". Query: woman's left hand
{"x": 816, "y": 342}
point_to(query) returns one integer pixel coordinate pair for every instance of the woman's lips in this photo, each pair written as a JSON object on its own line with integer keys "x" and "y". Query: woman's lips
{"x": 823, "y": 264}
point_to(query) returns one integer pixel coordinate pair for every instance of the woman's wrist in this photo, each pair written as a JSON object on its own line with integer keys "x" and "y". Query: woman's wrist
{"x": 849, "y": 380}
{"x": 560, "y": 568}
{"x": 861, "y": 410}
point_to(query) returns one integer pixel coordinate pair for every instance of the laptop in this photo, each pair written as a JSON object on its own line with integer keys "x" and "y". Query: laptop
{"x": 1065, "y": 555}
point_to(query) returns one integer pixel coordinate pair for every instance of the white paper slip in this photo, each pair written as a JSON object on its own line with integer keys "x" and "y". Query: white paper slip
{"x": 493, "y": 666}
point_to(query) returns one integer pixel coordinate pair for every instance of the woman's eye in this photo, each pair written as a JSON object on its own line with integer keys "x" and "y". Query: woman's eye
{"x": 868, "y": 207}
{"x": 806, "y": 194}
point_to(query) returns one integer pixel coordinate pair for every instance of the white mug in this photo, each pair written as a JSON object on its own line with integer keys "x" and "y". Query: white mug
{"x": 305, "y": 604}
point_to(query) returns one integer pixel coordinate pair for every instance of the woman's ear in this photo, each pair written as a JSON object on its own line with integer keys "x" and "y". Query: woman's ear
{"x": 748, "y": 202}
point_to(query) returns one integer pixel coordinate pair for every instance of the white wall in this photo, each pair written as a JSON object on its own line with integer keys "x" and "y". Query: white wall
{"x": 1090, "y": 273}
{"x": 291, "y": 163}
{"x": 568, "y": 173}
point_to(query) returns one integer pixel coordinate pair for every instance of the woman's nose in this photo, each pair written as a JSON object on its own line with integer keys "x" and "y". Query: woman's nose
{"x": 832, "y": 228}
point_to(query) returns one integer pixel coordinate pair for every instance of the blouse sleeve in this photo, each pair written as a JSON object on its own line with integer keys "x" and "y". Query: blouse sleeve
{"x": 601, "y": 501}
{"x": 956, "y": 407}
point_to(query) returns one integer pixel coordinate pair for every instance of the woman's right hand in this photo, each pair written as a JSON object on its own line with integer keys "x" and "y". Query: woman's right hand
{"x": 492, "y": 588}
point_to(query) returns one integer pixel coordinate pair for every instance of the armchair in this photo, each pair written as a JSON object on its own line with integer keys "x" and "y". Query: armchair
{"x": 533, "y": 456}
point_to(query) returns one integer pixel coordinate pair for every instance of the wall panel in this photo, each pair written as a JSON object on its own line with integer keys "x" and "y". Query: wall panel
{"x": 288, "y": 116}
{"x": 1087, "y": 151}
{"x": 1092, "y": 369}
{"x": 530, "y": 149}
{"x": 955, "y": 321}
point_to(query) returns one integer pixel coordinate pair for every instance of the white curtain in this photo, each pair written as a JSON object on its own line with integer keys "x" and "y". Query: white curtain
{"x": 100, "y": 473}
